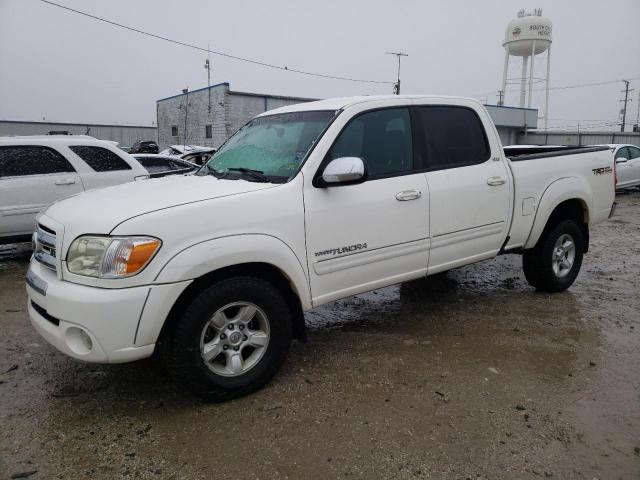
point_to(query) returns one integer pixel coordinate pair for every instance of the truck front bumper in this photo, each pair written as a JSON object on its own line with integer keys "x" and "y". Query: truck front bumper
{"x": 93, "y": 324}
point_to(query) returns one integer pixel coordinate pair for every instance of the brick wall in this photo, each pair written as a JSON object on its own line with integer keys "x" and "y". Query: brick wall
{"x": 171, "y": 112}
{"x": 229, "y": 112}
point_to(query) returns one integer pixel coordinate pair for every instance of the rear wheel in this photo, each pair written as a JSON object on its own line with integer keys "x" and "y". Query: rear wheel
{"x": 554, "y": 263}
{"x": 231, "y": 339}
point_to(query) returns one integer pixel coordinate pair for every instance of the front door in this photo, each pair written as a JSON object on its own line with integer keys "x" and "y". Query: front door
{"x": 361, "y": 237}
{"x": 469, "y": 187}
{"x": 628, "y": 171}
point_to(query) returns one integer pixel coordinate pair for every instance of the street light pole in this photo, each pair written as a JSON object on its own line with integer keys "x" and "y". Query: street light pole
{"x": 186, "y": 116}
{"x": 207, "y": 65}
{"x": 396, "y": 86}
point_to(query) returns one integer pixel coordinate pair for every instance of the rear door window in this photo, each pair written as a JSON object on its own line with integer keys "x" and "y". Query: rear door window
{"x": 634, "y": 152}
{"x": 19, "y": 161}
{"x": 451, "y": 137}
{"x": 176, "y": 165}
{"x": 153, "y": 164}
{"x": 381, "y": 138}
{"x": 623, "y": 153}
{"x": 100, "y": 159}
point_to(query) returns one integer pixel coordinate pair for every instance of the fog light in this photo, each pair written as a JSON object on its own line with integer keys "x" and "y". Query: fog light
{"x": 78, "y": 340}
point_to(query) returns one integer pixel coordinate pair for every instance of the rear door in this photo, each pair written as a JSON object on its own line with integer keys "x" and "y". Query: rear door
{"x": 31, "y": 177}
{"x": 105, "y": 166}
{"x": 469, "y": 185}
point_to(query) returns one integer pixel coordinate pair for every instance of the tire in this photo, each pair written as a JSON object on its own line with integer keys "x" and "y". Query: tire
{"x": 543, "y": 267}
{"x": 242, "y": 357}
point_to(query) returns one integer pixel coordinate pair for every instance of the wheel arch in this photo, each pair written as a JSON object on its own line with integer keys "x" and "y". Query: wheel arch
{"x": 567, "y": 198}
{"x": 260, "y": 256}
{"x": 265, "y": 271}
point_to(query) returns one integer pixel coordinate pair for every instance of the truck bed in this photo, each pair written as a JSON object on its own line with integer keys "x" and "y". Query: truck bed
{"x": 557, "y": 171}
{"x": 520, "y": 153}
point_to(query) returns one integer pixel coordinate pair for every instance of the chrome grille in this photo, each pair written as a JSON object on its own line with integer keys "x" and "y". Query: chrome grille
{"x": 45, "y": 247}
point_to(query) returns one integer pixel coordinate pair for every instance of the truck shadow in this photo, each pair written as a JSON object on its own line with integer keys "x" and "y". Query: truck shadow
{"x": 474, "y": 303}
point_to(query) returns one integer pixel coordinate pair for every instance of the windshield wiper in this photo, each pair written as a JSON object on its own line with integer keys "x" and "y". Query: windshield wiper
{"x": 256, "y": 175}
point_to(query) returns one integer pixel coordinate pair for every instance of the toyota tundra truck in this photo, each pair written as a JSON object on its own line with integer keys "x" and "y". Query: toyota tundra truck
{"x": 304, "y": 205}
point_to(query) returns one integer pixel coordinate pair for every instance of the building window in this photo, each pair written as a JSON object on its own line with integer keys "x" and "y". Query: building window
{"x": 208, "y": 133}
{"x": 174, "y": 131}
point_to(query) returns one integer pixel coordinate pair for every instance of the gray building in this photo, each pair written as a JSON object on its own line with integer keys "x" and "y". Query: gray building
{"x": 212, "y": 115}
{"x": 125, "y": 135}
{"x": 510, "y": 121}
{"x": 215, "y": 113}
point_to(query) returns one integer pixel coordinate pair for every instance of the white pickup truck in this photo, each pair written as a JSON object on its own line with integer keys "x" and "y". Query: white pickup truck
{"x": 304, "y": 205}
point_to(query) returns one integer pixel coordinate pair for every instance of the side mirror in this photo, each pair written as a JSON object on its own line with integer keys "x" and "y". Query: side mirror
{"x": 344, "y": 171}
{"x": 621, "y": 160}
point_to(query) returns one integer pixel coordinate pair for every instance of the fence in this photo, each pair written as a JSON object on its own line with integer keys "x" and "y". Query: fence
{"x": 556, "y": 137}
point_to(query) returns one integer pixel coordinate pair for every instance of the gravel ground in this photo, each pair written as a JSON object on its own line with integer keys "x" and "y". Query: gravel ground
{"x": 470, "y": 374}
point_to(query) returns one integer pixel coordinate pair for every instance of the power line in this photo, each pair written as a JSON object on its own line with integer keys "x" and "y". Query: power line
{"x": 595, "y": 84}
{"x": 214, "y": 52}
{"x": 565, "y": 87}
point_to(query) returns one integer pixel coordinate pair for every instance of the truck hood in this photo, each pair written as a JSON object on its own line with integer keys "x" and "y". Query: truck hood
{"x": 100, "y": 210}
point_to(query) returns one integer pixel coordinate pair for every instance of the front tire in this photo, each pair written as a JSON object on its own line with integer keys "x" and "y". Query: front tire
{"x": 231, "y": 340}
{"x": 554, "y": 263}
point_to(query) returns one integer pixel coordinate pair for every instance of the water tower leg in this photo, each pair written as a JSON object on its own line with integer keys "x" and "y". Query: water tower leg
{"x": 504, "y": 75}
{"x": 546, "y": 99}
{"x": 533, "y": 52}
{"x": 523, "y": 80}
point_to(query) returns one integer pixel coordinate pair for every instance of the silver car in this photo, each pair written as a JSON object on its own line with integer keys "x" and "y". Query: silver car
{"x": 627, "y": 165}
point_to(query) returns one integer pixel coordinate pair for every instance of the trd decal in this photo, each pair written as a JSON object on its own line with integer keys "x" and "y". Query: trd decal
{"x": 339, "y": 250}
{"x": 602, "y": 170}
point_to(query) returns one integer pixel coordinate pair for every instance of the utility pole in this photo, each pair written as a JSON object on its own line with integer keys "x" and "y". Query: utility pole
{"x": 207, "y": 66}
{"x": 186, "y": 116}
{"x": 625, "y": 101}
{"x": 396, "y": 86}
{"x": 500, "y": 98}
{"x": 636, "y": 127}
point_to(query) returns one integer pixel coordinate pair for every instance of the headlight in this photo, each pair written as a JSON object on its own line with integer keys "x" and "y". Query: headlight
{"x": 110, "y": 257}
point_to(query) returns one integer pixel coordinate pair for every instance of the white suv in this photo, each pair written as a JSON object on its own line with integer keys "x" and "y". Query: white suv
{"x": 38, "y": 170}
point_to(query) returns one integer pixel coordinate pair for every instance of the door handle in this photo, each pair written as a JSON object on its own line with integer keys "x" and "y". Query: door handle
{"x": 66, "y": 181}
{"x": 495, "y": 181}
{"x": 406, "y": 195}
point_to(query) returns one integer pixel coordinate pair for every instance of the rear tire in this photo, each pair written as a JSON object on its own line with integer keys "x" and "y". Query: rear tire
{"x": 554, "y": 263}
{"x": 231, "y": 340}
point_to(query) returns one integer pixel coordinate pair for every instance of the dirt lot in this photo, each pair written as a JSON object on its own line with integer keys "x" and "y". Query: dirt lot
{"x": 471, "y": 374}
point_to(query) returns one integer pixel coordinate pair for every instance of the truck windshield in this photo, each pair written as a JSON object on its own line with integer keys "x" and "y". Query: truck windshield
{"x": 269, "y": 148}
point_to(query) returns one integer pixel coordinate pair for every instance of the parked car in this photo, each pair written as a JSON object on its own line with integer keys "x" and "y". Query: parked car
{"x": 304, "y": 205}
{"x": 191, "y": 153}
{"x": 627, "y": 164}
{"x": 144, "y": 146}
{"x": 38, "y": 170}
{"x": 162, "y": 165}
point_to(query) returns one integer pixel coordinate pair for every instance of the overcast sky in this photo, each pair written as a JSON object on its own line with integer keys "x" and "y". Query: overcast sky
{"x": 65, "y": 67}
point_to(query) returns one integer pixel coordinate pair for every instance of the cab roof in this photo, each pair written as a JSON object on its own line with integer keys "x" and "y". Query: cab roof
{"x": 56, "y": 139}
{"x": 345, "y": 102}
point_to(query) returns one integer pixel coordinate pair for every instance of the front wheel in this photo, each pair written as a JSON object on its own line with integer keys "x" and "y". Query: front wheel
{"x": 231, "y": 339}
{"x": 554, "y": 263}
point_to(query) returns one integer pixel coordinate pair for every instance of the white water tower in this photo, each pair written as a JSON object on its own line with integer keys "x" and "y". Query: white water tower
{"x": 527, "y": 36}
